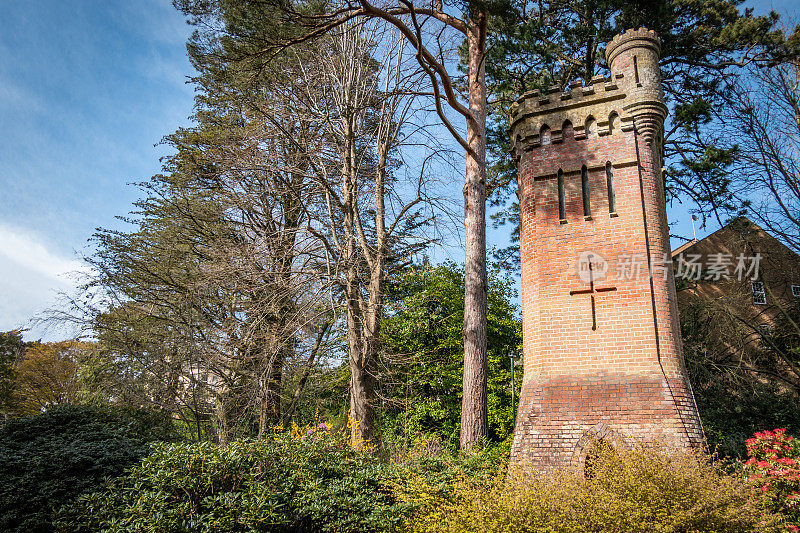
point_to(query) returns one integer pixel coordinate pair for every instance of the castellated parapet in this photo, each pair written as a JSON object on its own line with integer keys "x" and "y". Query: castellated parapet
{"x": 633, "y": 93}
{"x": 601, "y": 338}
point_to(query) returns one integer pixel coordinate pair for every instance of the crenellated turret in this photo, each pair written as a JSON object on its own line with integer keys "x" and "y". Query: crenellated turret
{"x": 633, "y": 58}
{"x": 603, "y": 361}
{"x": 632, "y": 95}
{"x": 592, "y": 109}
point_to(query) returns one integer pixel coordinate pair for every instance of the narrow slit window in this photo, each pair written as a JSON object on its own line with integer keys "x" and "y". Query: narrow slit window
{"x": 587, "y": 208}
{"x": 759, "y": 293}
{"x": 612, "y": 200}
{"x": 562, "y": 209}
{"x": 635, "y": 70}
{"x": 591, "y": 127}
{"x": 544, "y": 135}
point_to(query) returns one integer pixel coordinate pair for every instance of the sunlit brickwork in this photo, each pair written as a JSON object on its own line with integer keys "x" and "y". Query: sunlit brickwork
{"x": 613, "y": 369}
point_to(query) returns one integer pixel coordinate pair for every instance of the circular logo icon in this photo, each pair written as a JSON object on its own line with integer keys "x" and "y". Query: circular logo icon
{"x": 591, "y": 267}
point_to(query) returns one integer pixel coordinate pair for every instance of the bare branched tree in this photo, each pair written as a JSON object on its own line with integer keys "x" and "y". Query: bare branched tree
{"x": 374, "y": 219}
{"x": 287, "y": 202}
{"x": 431, "y": 29}
{"x": 765, "y": 121}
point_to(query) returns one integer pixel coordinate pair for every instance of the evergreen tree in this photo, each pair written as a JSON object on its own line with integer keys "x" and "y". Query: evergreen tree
{"x": 425, "y": 354}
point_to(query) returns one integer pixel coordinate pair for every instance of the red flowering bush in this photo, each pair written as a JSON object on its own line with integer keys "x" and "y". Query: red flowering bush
{"x": 774, "y": 467}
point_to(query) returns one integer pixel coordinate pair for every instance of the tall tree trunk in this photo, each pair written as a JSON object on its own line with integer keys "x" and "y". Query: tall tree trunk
{"x": 474, "y": 411}
{"x": 167, "y": 398}
{"x": 362, "y": 415}
{"x": 282, "y": 346}
{"x": 362, "y": 390}
{"x": 270, "y": 408}
{"x": 374, "y": 308}
{"x": 375, "y": 288}
{"x": 222, "y": 414}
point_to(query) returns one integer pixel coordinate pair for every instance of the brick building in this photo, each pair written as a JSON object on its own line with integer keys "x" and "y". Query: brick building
{"x": 743, "y": 271}
{"x": 602, "y": 352}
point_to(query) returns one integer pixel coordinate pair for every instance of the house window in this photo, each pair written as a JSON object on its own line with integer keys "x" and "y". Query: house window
{"x": 796, "y": 291}
{"x": 587, "y": 208}
{"x": 562, "y": 209}
{"x": 612, "y": 200}
{"x": 759, "y": 293}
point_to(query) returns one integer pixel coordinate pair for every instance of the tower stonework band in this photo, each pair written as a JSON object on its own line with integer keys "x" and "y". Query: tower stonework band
{"x": 602, "y": 345}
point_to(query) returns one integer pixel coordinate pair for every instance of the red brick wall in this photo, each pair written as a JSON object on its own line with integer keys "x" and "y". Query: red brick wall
{"x": 626, "y": 379}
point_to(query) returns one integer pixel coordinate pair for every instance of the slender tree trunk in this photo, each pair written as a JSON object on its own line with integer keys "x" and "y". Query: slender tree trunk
{"x": 375, "y": 289}
{"x": 374, "y": 308}
{"x": 362, "y": 416}
{"x": 167, "y": 398}
{"x": 222, "y": 413}
{"x": 474, "y": 411}
{"x": 362, "y": 390}
{"x": 362, "y": 409}
{"x": 282, "y": 345}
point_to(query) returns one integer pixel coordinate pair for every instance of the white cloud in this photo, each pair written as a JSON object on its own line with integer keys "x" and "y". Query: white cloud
{"x": 31, "y": 275}
{"x": 30, "y": 251}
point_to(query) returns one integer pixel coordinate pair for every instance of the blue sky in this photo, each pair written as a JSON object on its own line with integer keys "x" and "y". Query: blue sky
{"x": 87, "y": 89}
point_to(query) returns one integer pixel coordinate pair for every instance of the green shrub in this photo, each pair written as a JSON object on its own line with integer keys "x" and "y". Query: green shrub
{"x": 309, "y": 480}
{"x": 639, "y": 490}
{"x": 283, "y": 483}
{"x": 49, "y": 459}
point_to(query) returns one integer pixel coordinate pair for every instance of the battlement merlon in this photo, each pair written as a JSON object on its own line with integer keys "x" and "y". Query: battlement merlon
{"x": 633, "y": 94}
{"x": 641, "y": 39}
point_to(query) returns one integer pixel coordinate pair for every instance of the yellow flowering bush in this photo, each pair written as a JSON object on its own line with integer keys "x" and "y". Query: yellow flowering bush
{"x": 644, "y": 489}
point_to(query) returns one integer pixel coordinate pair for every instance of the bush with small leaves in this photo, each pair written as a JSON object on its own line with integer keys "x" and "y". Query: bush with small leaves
{"x": 303, "y": 479}
{"x": 643, "y": 489}
{"x": 292, "y": 481}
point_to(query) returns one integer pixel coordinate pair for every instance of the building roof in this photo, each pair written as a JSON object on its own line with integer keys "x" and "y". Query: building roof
{"x": 737, "y": 226}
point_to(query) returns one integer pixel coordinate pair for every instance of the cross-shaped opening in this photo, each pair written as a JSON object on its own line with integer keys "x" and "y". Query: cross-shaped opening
{"x": 591, "y": 291}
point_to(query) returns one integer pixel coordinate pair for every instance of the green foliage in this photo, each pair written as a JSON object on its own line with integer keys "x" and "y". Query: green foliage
{"x": 731, "y": 413}
{"x": 324, "y": 394}
{"x": 48, "y": 459}
{"x": 50, "y": 374}
{"x": 309, "y": 480}
{"x": 637, "y": 490}
{"x": 423, "y": 333}
{"x": 12, "y": 348}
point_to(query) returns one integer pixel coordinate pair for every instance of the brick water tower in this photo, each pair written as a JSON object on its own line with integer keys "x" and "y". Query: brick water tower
{"x": 602, "y": 344}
